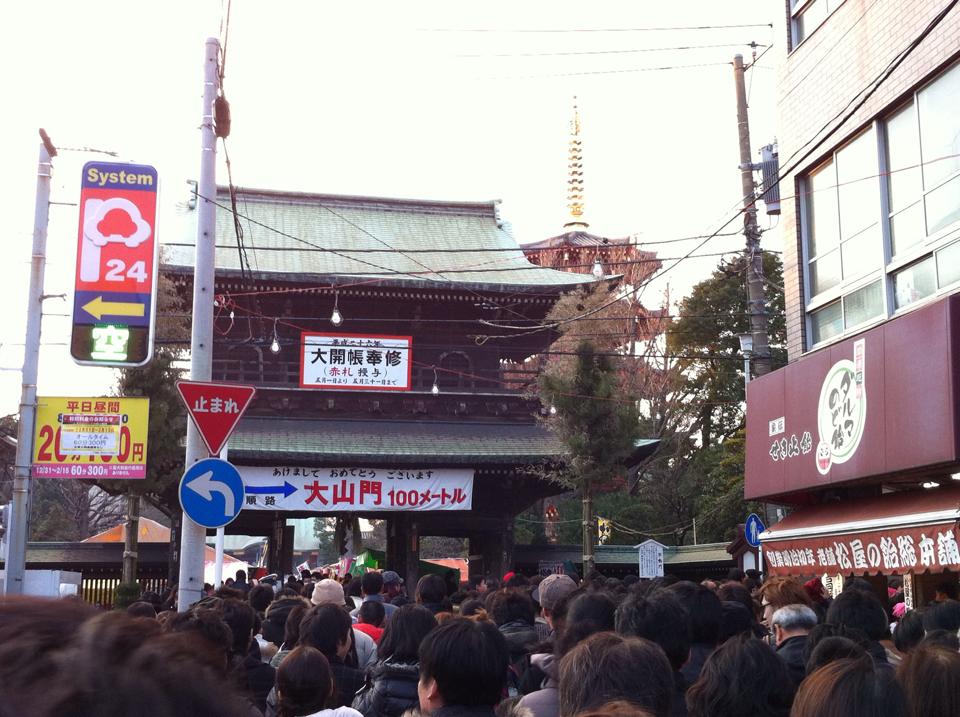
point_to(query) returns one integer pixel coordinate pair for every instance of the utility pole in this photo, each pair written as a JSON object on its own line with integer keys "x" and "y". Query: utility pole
{"x": 756, "y": 302}
{"x": 16, "y": 558}
{"x": 193, "y": 537}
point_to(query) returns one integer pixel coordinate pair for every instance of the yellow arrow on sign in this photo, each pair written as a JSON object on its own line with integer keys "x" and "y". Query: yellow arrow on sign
{"x": 99, "y": 308}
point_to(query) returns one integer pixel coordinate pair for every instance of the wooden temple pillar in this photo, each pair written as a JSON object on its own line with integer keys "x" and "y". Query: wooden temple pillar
{"x": 403, "y": 548}
{"x": 495, "y": 550}
{"x": 280, "y": 545}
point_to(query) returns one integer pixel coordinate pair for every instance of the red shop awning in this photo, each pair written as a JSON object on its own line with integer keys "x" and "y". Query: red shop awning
{"x": 907, "y": 532}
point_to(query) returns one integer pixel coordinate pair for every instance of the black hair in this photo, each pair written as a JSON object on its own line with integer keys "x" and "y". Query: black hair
{"x": 291, "y": 627}
{"x": 275, "y": 620}
{"x": 743, "y": 676}
{"x": 404, "y": 632}
{"x": 141, "y": 609}
{"x": 241, "y": 619}
{"x": 371, "y": 612}
{"x": 468, "y": 661}
{"x": 517, "y": 581}
{"x": 860, "y": 610}
{"x": 831, "y": 649}
{"x": 352, "y": 589}
{"x": 371, "y": 583}
{"x": 589, "y": 614}
{"x": 661, "y": 618}
{"x": 909, "y": 631}
{"x": 948, "y": 588}
{"x": 213, "y": 636}
{"x": 325, "y": 627}
{"x": 942, "y": 638}
{"x": 431, "y": 589}
{"x": 512, "y": 606}
{"x": 241, "y": 575}
{"x": 471, "y": 607}
{"x": 736, "y": 620}
{"x": 260, "y": 597}
{"x": 704, "y": 608}
{"x": 942, "y": 616}
{"x": 304, "y": 682}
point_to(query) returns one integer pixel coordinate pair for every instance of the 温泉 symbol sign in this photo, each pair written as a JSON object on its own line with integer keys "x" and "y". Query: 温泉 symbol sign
{"x": 841, "y": 411}
{"x": 116, "y": 280}
{"x": 91, "y": 438}
{"x": 211, "y": 493}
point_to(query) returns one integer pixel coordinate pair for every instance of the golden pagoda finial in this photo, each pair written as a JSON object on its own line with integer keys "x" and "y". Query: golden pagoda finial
{"x": 575, "y": 173}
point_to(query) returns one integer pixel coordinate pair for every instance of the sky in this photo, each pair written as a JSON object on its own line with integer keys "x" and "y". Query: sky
{"x": 432, "y": 100}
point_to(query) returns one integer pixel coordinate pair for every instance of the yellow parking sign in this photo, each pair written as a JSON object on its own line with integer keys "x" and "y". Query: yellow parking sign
{"x": 91, "y": 438}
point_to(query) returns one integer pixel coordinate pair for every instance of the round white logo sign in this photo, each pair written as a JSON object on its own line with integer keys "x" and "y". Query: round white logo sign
{"x": 841, "y": 415}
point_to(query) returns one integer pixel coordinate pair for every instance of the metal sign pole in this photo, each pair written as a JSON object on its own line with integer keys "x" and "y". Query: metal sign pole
{"x": 16, "y": 558}
{"x": 193, "y": 536}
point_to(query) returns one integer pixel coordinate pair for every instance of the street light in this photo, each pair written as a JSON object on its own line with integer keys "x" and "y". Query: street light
{"x": 746, "y": 348}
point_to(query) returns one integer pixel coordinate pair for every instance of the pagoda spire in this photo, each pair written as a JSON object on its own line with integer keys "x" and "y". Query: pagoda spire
{"x": 575, "y": 174}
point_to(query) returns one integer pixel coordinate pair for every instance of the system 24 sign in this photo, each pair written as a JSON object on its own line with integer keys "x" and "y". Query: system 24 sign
{"x": 116, "y": 275}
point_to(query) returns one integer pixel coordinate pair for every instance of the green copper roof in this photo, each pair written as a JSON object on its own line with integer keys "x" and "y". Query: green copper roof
{"x": 403, "y": 442}
{"x": 289, "y": 236}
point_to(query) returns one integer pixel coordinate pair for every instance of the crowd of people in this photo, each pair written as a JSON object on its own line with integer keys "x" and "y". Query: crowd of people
{"x": 553, "y": 646}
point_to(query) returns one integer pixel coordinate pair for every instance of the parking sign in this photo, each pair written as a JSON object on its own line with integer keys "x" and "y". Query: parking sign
{"x": 116, "y": 274}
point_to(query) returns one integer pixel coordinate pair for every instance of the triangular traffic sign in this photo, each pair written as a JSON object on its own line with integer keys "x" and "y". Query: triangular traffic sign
{"x": 215, "y": 409}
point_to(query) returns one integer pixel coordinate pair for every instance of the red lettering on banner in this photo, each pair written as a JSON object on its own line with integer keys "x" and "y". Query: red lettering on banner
{"x": 344, "y": 493}
{"x": 316, "y": 493}
{"x": 371, "y": 488}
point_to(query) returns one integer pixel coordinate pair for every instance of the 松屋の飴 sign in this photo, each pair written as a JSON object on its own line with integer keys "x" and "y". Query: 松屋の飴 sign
{"x": 356, "y": 362}
{"x": 337, "y": 490}
{"x": 91, "y": 438}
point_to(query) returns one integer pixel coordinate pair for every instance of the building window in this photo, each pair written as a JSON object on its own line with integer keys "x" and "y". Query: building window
{"x": 808, "y": 15}
{"x": 854, "y": 217}
{"x": 843, "y": 217}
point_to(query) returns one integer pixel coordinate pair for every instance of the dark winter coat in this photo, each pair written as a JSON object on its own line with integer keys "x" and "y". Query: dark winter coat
{"x": 391, "y": 689}
{"x": 791, "y": 652}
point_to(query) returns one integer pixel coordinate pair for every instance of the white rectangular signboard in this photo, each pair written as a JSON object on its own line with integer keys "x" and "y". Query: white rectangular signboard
{"x": 356, "y": 362}
{"x": 346, "y": 489}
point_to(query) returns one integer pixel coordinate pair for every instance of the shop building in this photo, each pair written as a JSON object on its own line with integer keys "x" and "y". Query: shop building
{"x": 859, "y": 433}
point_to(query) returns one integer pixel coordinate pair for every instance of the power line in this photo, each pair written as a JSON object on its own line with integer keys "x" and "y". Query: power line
{"x": 605, "y": 52}
{"x": 596, "y": 29}
{"x": 661, "y": 68}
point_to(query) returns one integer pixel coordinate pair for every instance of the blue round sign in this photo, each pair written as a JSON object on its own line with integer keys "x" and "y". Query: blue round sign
{"x": 211, "y": 492}
{"x": 752, "y": 529}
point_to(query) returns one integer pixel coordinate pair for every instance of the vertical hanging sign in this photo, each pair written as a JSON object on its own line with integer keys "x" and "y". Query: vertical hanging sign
{"x": 116, "y": 276}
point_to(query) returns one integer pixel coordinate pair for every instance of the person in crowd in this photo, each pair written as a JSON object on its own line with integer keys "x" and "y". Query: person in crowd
{"x": 741, "y": 677}
{"x": 735, "y": 619}
{"x": 861, "y": 609}
{"x": 363, "y": 651}
{"x": 779, "y": 592}
{"x": 463, "y": 667}
{"x": 260, "y": 596}
{"x": 943, "y": 615}
{"x": 735, "y": 592}
{"x": 618, "y": 708}
{"x": 909, "y": 631}
{"x": 819, "y": 599}
{"x": 327, "y": 628}
{"x": 930, "y": 676}
{"x": 791, "y": 626}
{"x": 371, "y": 589}
{"x": 211, "y": 636}
{"x": 275, "y": 618}
{"x": 512, "y": 612}
{"x": 391, "y": 684}
{"x": 241, "y": 583}
{"x": 142, "y": 609}
{"x": 706, "y": 615}
{"x": 432, "y": 594}
{"x": 547, "y": 593}
{"x": 660, "y": 618}
{"x": 830, "y": 649}
{"x": 291, "y": 633}
{"x": 353, "y": 590}
{"x": 607, "y": 667}
{"x": 305, "y": 684}
{"x": 586, "y": 615}
{"x": 371, "y": 618}
{"x": 71, "y": 660}
{"x": 942, "y": 638}
{"x": 946, "y": 590}
{"x": 488, "y": 585}
{"x": 473, "y": 607}
{"x": 253, "y": 676}
{"x": 851, "y": 687}
{"x": 392, "y": 585}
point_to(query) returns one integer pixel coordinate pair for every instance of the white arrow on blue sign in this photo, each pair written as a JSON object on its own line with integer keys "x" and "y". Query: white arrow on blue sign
{"x": 752, "y": 529}
{"x": 211, "y": 492}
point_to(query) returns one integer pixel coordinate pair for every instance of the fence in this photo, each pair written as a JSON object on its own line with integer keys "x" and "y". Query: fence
{"x": 99, "y": 590}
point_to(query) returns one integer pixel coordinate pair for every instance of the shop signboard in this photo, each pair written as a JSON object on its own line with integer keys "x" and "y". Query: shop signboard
{"x": 84, "y": 437}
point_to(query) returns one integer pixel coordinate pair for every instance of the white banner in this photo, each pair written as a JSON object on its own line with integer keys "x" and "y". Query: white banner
{"x": 358, "y": 362}
{"x": 336, "y": 490}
